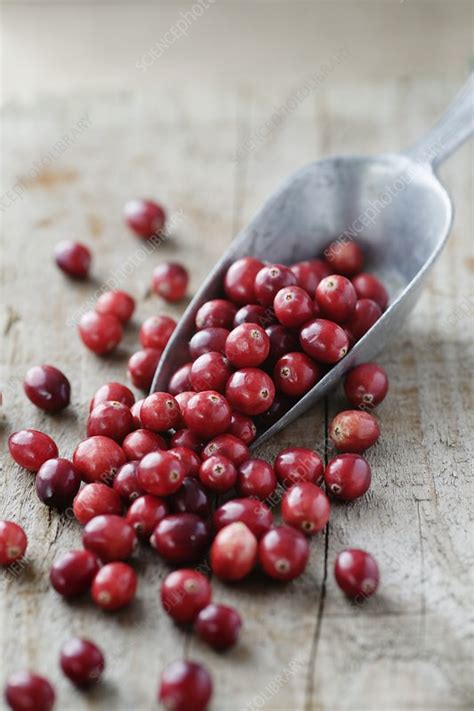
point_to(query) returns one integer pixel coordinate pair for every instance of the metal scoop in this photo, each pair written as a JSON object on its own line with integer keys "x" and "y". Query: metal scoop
{"x": 394, "y": 206}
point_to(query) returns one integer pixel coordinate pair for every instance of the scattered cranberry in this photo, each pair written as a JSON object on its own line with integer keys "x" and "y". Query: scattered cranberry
{"x": 82, "y": 661}
{"x": 109, "y": 537}
{"x": 210, "y": 372}
{"x": 227, "y": 446}
{"x": 298, "y": 464}
{"x": 160, "y": 473}
{"x": 98, "y": 458}
{"x": 185, "y": 685}
{"x": 217, "y": 313}
{"x": 101, "y": 333}
{"x": 219, "y": 626}
{"x": 255, "y": 514}
{"x": 180, "y": 382}
{"x": 243, "y": 428}
{"x": 156, "y": 331}
{"x": 189, "y": 459}
{"x": 208, "y": 340}
{"x": 208, "y": 414}
{"x": 141, "y": 442}
{"x": 181, "y": 538}
{"x": 336, "y": 298}
{"x": 347, "y": 476}
{"x": 142, "y": 366}
{"x": 114, "y": 586}
{"x": 170, "y": 281}
{"x": 367, "y": 286}
{"x": 191, "y": 498}
{"x": 283, "y": 553}
{"x": 13, "y": 542}
{"x": 295, "y": 374}
{"x": 250, "y": 391}
{"x": 256, "y": 478}
{"x": 255, "y": 313}
{"x": 305, "y": 506}
{"x": 47, "y": 388}
{"x": 160, "y": 412}
{"x": 247, "y": 345}
{"x": 135, "y": 410}
{"x": 309, "y": 273}
{"x": 239, "y": 281}
{"x": 324, "y": 341}
{"x": 145, "y": 514}
{"x": 345, "y": 257}
{"x": 186, "y": 438}
{"x": 357, "y": 573}
{"x": 110, "y": 419}
{"x": 57, "y": 483}
{"x": 353, "y": 431}
{"x": 366, "y": 313}
{"x": 115, "y": 392}
{"x": 145, "y": 217}
{"x": 126, "y": 483}
{"x": 269, "y": 280}
{"x": 116, "y": 303}
{"x": 72, "y": 574}
{"x": 293, "y": 306}
{"x": 282, "y": 341}
{"x": 29, "y": 692}
{"x": 94, "y": 500}
{"x": 218, "y": 473}
{"x": 31, "y": 448}
{"x": 73, "y": 258}
{"x": 184, "y": 593}
{"x": 233, "y": 552}
{"x": 366, "y": 385}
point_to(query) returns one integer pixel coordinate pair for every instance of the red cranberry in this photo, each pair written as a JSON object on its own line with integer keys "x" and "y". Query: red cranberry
{"x": 73, "y": 573}
{"x": 247, "y": 345}
{"x": 255, "y": 313}
{"x": 57, "y": 483}
{"x": 114, "y": 586}
{"x": 181, "y": 538}
{"x": 180, "y": 382}
{"x": 126, "y": 483}
{"x": 142, "y": 366}
{"x": 208, "y": 340}
{"x": 94, "y": 500}
{"x": 243, "y": 428}
{"x": 295, "y": 373}
{"x": 217, "y": 313}
{"x": 184, "y": 593}
{"x": 233, "y": 552}
{"x": 141, "y": 442}
{"x": 185, "y": 685}
{"x": 366, "y": 385}
{"x": 186, "y": 438}
{"x": 97, "y": 459}
{"x": 160, "y": 412}
{"x": 353, "y": 431}
{"x": 73, "y": 258}
{"x": 135, "y": 410}
{"x": 347, "y": 476}
{"x": 357, "y": 573}
{"x": 239, "y": 280}
{"x": 256, "y": 478}
{"x": 228, "y": 446}
{"x": 367, "y": 286}
{"x": 13, "y": 542}
{"x": 210, "y": 372}
{"x": 269, "y": 280}
{"x": 336, "y": 298}
{"x": 218, "y": 473}
{"x": 82, "y": 661}
{"x": 208, "y": 414}
{"x": 110, "y": 419}
{"x": 31, "y": 448}
{"x": 306, "y": 507}
{"x": 189, "y": 459}
{"x": 297, "y": 465}
{"x": 116, "y": 303}
{"x": 345, "y": 257}
{"x": 47, "y": 388}
{"x": 283, "y": 553}
{"x": 101, "y": 333}
{"x": 156, "y": 331}
{"x": 255, "y": 514}
{"x": 310, "y": 273}
{"x": 293, "y": 306}
{"x": 279, "y": 406}
{"x": 324, "y": 341}
{"x": 110, "y": 537}
{"x": 366, "y": 313}
{"x": 112, "y": 392}
{"x": 191, "y": 498}
{"x": 250, "y": 391}
{"x": 219, "y": 626}
{"x": 29, "y": 692}
{"x": 145, "y": 514}
{"x": 170, "y": 281}
{"x": 160, "y": 473}
{"x": 145, "y": 217}
{"x": 282, "y": 341}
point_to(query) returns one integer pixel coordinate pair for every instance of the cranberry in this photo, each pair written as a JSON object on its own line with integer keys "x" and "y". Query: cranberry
{"x": 243, "y": 428}
{"x": 185, "y": 685}
{"x": 73, "y": 258}
{"x": 250, "y": 391}
{"x": 82, "y": 661}
{"x": 110, "y": 537}
{"x": 182, "y": 399}
{"x": 170, "y": 281}
{"x": 297, "y": 465}
{"x": 336, "y": 298}
{"x": 114, "y": 586}
{"x": 283, "y": 553}
{"x": 184, "y": 593}
{"x": 228, "y": 446}
{"x": 295, "y": 373}
{"x": 345, "y": 257}
{"x": 366, "y": 313}
{"x": 135, "y": 410}
{"x": 208, "y": 414}
{"x": 233, "y": 552}
{"x": 47, "y": 388}
{"x": 101, "y": 333}
{"x": 353, "y": 431}
{"x": 181, "y": 538}
{"x": 145, "y": 217}
{"x": 116, "y": 303}
{"x": 112, "y": 392}
{"x": 218, "y": 473}
{"x": 189, "y": 459}
{"x": 160, "y": 412}
{"x": 160, "y": 473}
{"x": 142, "y": 366}
{"x": 31, "y": 448}
{"x": 96, "y": 499}
{"x": 29, "y": 692}
{"x": 256, "y": 478}
{"x": 145, "y": 514}
{"x": 357, "y": 573}
{"x": 279, "y": 406}
{"x": 255, "y": 514}
{"x": 141, "y": 442}
{"x": 110, "y": 419}
{"x": 367, "y": 286}
{"x": 191, "y": 498}
{"x": 309, "y": 273}
{"x": 306, "y": 507}
{"x": 57, "y": 483}
{"x": 269, "y": 280}
{"x": 293, "y": 306}
{"x": 73, "y": 573}
{"x": 347, "y": 476}
{"x": 186, "y": 438}
{"x": 180, "y": 382}
{"x": 156, "y": 331}
{"x": 217, "y": 313}
{"x": 218, "y": 625}
{"x": 126, "y": 483}
{"x": 98, "y": 458}
{"x": 13, "y": 542}
{"x": 366, "y": 385}
{"x": 282, "y": 341}
{"x": 210, "y": 372}
{"x": 324, "y": 341}
{"x": 247, "y": 345}
{"x": 255, "y": 313}
{"x": 208, "y": 340}
{"x": 239, "y": 281}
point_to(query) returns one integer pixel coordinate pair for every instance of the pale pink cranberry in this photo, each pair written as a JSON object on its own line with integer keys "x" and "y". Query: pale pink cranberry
{"x": 233, "y": 552}
{"x": 250, "y": 391}
{"x": 73, "y": 258}
{"x": 170, "y": 281}
{"x": 344, "y": 257}
{"x": 239, "y": 280}
{"x": 367, "y": 286}
{"x": 217, "y": 313}
{"x": 156, "y": 331}
{"x": 101, "y": 333}
{"x": 145, "y": 217}
{"x": 116, "y": 303}
{"x": 142, "y": 366}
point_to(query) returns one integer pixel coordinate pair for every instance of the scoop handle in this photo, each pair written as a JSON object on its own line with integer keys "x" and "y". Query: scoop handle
{"x": 451, "y": 130}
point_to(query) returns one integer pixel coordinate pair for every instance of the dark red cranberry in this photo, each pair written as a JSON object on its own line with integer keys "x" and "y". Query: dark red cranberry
{"x": 309, "y": 273}
{"x": 116, "y": 303}
{"x": 142, "y": 366}
{"x": 218, "y": 474}
{"x": 353, "y": 431}
{"x": 186, "y": 438}
{"x": 255, "y": 514}
{"x": 226, "y": 445}
{"x": 94, "y": 500}
{"x": 295, "y": 373}
{"x": 135, "y": 410}
{"x": 256, "y": 478}
{"x": 189, "y": 459}
{"x": 208, "y": 340}
{"x": 160, "y": 473}
{"x": 109, "y": 537}
{"x": 217, "y": 313}
{"x": 160, "y": 412}
{"x": 181, "y": 538}
{"x": 13, "y": 542}
{"x": 233, "y": 552}
{"x": 366, "y": 385}
{"x": 141, "y": 442}
{"x": 243, "y": 428}
{"x": 210, "y": 371}
{"x": 324, "y": 341}
{"x": 110, "y": 419}
{"x": 367, "y": 286}
{"x": 283, "y": 553}
{"x": 293, "y": 306}
{"x": 366, "y": 313}
{"x": 282, "y": 341}
{"x": 29, "y": 692}
{"x": 145, "y": 217}
{"x": 191, "y": 498}
{"x": 115, "y": 392}
{"x": 184, "y": 686}
{"x": 73, "y": 258}
{"x": 298, "y": 464}
{"x": 156, "y": 331}
{"x": 170, "y": 281}
{"x": 126, "y": 482}
{"x": 72, "y": 574}
{"x": 269, "y": 280}
{"x": 31, "y": 448}
{"x": 82, "y": 661}
{"x": 219, "y": 626}
{"x": 184, "y": 593}
{"x": 207, "y": 414}
{"x": 357, "y": 573}
{"x": 57, "y": 483}
{"x": 145, "y": 514}
{"x": 347, "y": 476}
{"x": 114, "y": 586}
{"x": 255, "y": 313}
{"x": 239, "y": 281}
{"x": 47, "y": 388}
{"x": 247, "y": 345}
{"x": 101, "y": 333}
{"x": 336, "y": 298}
{"x": 279, "y": 406}
{"x": 97, "y": 459}
{"x": 345, "y": 257}
{"x": 250, "y": 391}
{"x": 180, "y": 382}
{"x": 305, "y": 506}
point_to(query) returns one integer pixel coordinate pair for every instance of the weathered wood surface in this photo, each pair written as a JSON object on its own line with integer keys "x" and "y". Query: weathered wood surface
{"x": 304, "y": 646}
